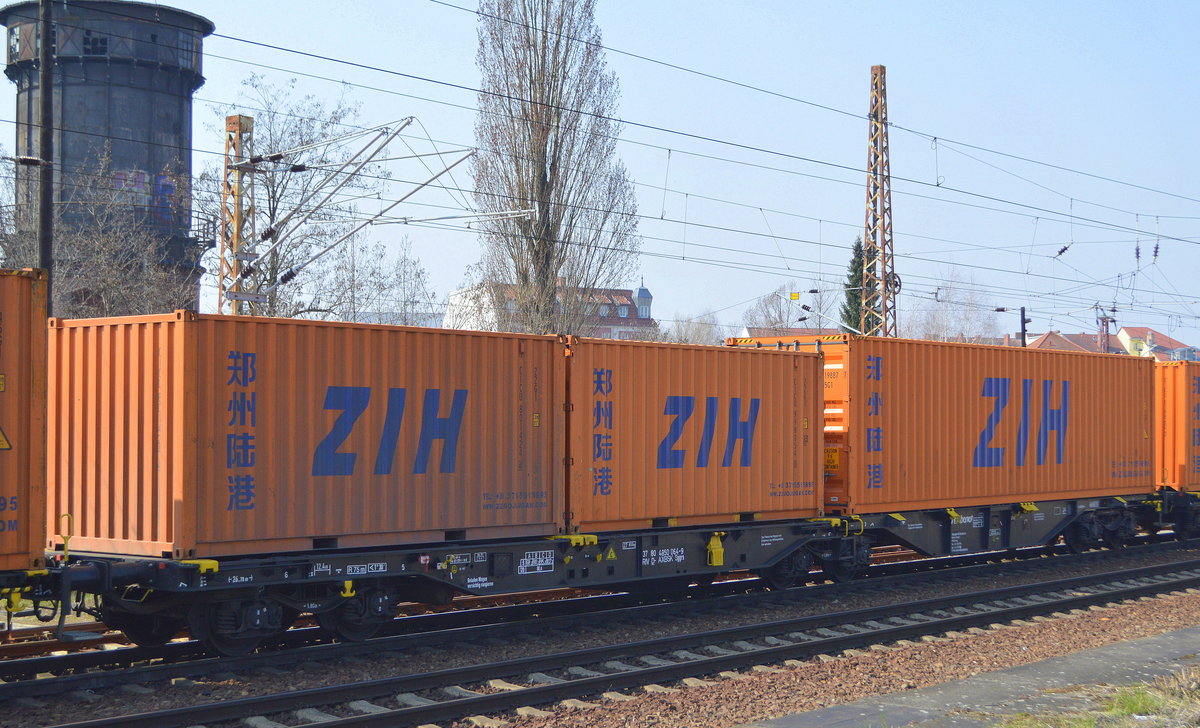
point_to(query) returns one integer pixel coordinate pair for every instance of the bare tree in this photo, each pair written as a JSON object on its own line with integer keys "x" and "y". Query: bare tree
{"x": 777, "y": 312}
{"x": 957, "y": 312}
{"x": 110, "y": 258}
{"x": 547, "y": 138}
{"x": 703, "y": 328}
{"x": 371, "y": 284}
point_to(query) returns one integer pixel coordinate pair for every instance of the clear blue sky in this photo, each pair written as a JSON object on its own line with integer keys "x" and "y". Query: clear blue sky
{"x": 1106, "y": 88}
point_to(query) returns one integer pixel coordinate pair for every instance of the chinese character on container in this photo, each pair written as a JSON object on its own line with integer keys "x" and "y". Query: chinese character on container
{"x": 242, "y": 368}
{"x": 874, "y": 439}
{"x": 241, "y": 447}
{"x": 602, "y": 381}
{"x": 602, "y": 481}
{"x": 874, "y": 368}
{"x": 241, "y": 493}
{"x": 874, "y": 475}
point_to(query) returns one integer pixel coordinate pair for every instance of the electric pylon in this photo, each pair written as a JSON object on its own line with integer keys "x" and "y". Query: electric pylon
{"x": 880, "y": 282}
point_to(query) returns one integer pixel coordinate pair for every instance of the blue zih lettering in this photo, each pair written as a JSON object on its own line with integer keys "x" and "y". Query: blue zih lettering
{"x": 706, "y": 435}
{"x": 740, "y": 429}
{"x": 391, "y": 431}
{"x": 682, "y": 408}
{"x": 1052, "y": 420}
{"x": 1023, "y": 430}
{"x": 445, "y": 429}
{"x": 353, "y": 401}
{"x": 985, "y": 455}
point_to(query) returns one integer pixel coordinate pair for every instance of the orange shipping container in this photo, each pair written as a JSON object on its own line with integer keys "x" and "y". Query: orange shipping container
{"x": 1177, "y": 420}
{"x": 191, "y": 436}
{"x": 913, "y": 425}
{"x": 22, "y": 418}
{"x": 666, "y": 434}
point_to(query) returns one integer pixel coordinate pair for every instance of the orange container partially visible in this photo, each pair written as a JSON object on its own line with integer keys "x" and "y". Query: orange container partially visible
{"x": 22, "y": 418}
{"x": 1177, "y": 425}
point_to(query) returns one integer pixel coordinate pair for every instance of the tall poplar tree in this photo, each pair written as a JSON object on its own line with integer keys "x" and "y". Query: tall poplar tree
{"x": 547, "y": 135}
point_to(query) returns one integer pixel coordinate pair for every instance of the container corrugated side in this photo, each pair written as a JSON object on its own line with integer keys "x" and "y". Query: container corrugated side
{"x": 1177, "y": 424}
{"x": 662, "y": 434}
{"x": 225, "y": 435}
{"x": 913, "y": 425}
{"x": 971, "y": 425}
{"x": 22, "y": 418}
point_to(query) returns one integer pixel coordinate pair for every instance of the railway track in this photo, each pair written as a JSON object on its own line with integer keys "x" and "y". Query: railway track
{"x": 29, "y": 642}
{"x": 103, "y": 670}
{"x": 127, "y": 664}
{"x": 454, "y": 694}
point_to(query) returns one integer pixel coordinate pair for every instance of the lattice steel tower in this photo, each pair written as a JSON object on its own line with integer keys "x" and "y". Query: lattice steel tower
{"x": 880, "y": 282}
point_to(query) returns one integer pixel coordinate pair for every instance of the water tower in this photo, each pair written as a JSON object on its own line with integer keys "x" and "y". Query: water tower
{"x": 124, "y": 77}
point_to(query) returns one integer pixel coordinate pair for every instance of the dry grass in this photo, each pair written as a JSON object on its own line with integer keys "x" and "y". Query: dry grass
{"x": 1172, "y": 701}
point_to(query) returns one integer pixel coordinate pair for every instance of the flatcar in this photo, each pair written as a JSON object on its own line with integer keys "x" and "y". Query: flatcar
{"x": 227, "y": 474}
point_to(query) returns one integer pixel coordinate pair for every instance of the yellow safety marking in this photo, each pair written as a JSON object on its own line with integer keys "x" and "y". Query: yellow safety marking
{"x": 70, "y": 532}
{"x": 1121, "y": 499}
{"x": 716, "y": 549}
{"x": 348, "y": 588}
{"x": 953, "y": 514}
{"x": 835, "y": 522}
{"x": 207, "y": 566}
{"x": 898, "y": 517}
{"x": 862, "y": 527}
{"x": 1028, "y": 507}
{"x": 578, "y": 540}
{"x": 611, "y": 555}
{"x": 5, "y": 443}
{"x": 37, "y": 572}
{"x": 566, "y": 559}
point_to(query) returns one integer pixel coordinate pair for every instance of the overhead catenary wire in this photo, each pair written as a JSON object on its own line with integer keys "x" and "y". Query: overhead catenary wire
{"x": 460, "y": 186}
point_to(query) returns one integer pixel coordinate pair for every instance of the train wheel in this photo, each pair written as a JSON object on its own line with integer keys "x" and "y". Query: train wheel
{"x": 150, "y": 630}
{"x": 1188, "y": 527}
{"x": 349, "y": 621}
{"x": 1078, "y": 538}
{"x": 215, "y": 625}
{"x": 1118, "y": 535}
{"x": 848, "y": 566}
{"x": 791, "y": 571}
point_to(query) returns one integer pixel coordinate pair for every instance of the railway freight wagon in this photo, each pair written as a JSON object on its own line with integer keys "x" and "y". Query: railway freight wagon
{"x": 954, "y": 448}
{"x": 229, "y": 473}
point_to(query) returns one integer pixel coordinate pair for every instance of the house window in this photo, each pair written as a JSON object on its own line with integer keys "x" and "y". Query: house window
{"x": 603, "y": 310}
{"x": 623, "y": 311}
{"x": 643, "y": 312}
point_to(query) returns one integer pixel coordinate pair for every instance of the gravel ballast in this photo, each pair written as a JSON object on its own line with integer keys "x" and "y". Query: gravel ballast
{"x": 819, "y": 683}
